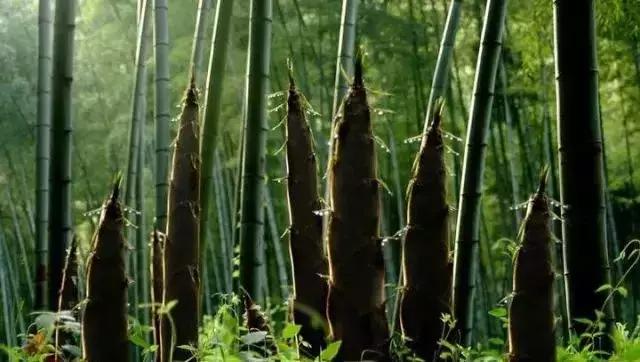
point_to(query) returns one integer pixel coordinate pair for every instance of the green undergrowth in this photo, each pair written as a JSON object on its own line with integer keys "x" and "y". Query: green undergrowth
{"x": 223, "y": 337}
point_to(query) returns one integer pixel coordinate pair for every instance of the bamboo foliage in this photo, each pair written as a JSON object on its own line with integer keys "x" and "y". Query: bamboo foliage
{"x": 254, "y": 150}
{"x": 43, "y": 150}
{"x": 60, "y": 217}
{"x": 466, "y": 245}
{"x": 582, "y": 180}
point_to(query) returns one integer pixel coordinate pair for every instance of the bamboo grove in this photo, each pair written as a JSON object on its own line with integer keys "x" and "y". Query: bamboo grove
{"x": 346, "y": 180}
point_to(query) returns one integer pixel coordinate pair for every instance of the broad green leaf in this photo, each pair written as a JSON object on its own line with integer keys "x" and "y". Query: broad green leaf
{"x": 291, "y": 330}
{"x": 331, "y": 351}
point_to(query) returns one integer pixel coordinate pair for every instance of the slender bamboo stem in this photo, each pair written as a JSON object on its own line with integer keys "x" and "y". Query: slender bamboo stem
{"x": 43, "y": 149}
{"x": 439, "y": 81}
{"x": 210, "y": 120}
{"x": 255, "y": 144}
{"x": 60, "y": 215}
{"x": 466, "y": 251}
{"x": 197, "y": 46}
{"x": 162, "y": 109}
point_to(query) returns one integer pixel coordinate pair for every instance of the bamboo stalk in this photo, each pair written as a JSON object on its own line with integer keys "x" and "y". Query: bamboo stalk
{"x": 581, "y": 166}
{"x": 254, "y": 150}
{"x": 439, "y": 81}
{"x": 197, "y": 45}
{"x": 162, "y": 108}
{"x": 210, "y": 119}
{"x": 43, "y": 150}
{"x": 466, "y": 251}
{"x": 60, "y": 214}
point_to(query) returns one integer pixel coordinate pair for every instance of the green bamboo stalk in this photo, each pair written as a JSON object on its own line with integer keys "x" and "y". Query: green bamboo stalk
{"x": 211, "y": 117}
{"x": 344, "y": 71}
{"x": 104, "y": 322}
{"x": 426, "y": 264}
{"x": 224, "y": 229}
{"x": 355, "y": 306}
{"x": 466, "y": 251}
{"x": 60, "y": 216}
{"x": 134, "y": 168}
{"x": 162, "y": 109}
{"x": 139, "y": 83}
{"x": 531, "y": 317}
{"x": 581, "y": 165}
{"x": 141, "y": 251}
{"x": 439, "y": 81}
{"x": 253, "y": 162}
{"x": 346, "y": 49}
{"x": 197, "y": 45}
{"x": 43, "y": 149}
{"x": 182, "y": 248}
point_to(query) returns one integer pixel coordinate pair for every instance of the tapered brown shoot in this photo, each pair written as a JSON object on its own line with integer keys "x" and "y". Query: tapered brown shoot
{"x": 305, "y": 231}
{"x": 104, "y": 324}
{"x": 531, "y": 320}
{"x": 427, "y": 268}
{"x": 256, "y": 321}
{"x": 356, "y": 289}
{"x": 182, "y": 274}
{"x": 157, "y": 286}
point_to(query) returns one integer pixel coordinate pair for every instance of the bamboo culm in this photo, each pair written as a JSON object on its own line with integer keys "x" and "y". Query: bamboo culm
{"x": 162, "y": 108}
{"x": 582, "y": 193}
{"x": 60, "y": 224}
{"x": 210, "y": 119}
{"x": 251, "y": 234}
{"x": 43, "y": 150}
{"x": 443, "y": 62}
{"x": 466, "y": 245}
